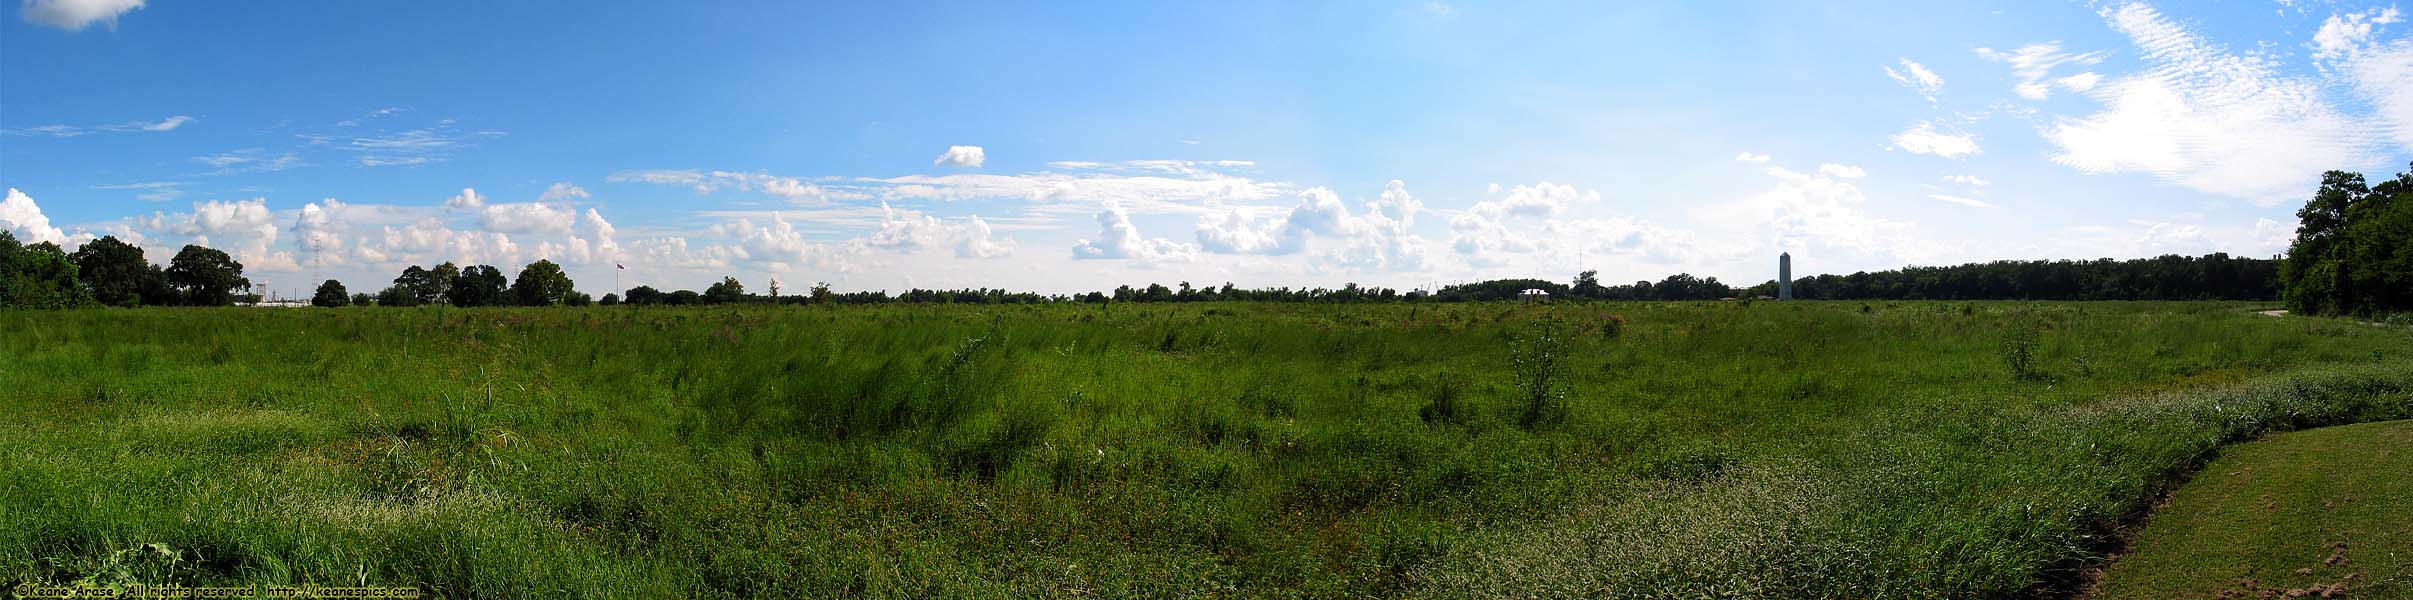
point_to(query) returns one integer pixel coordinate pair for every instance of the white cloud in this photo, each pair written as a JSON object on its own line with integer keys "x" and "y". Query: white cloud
{"x": 468, "y": 199}
{"x": 245, "y": 229}
{"x": 562, "y": 191}
{"x": 152, "y": 191}
{"x": 961, "y": 156}
{"x": 1816, "y": 214}
{"x": 1077, "y": 187}
{"x": 2034, "y": 64}
{"x": 1967, "y": 180}
{"x": 1440, "y": 10}
{"x": 74, "y": 15}
{"x": 1118, "y": 239}
{"x": 2347, "y": 33}
{"x": 1489, "y": 240}
{"x": 248, "y": 160}
{"x": 1925, "y": 139}
{"x": 1916, "y": 77}
{"x": 911, "y": 230}
{"x": 24, "y": 219}
{"x": 167, "y": 124}
{"x": 2379, "y": 71}
{"x": 1841, "y": 171}
{"x": 1376, "y": 239}
{"x": 1744, "y": 157}
{"x": 1971, "y": 202}
{"x": 792, "y": 189}
{"x": 2208, "y": 120}
{"x": 527, "y": 217}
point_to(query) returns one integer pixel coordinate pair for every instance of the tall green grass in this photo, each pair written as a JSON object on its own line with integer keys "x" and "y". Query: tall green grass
{"x": 1679, "y": 449}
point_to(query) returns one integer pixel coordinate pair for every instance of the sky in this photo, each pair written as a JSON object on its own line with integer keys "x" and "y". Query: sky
{"x": 1069, "y": 146}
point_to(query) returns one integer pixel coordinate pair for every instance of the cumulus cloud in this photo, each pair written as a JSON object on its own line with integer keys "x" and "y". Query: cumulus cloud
{"x": 468, "y": 199}
{"x": 961, "y": 156}
{"x": 24, "y": 219}
{"x": 245, "y": 229}
{"x": 75, "y": 15}
{"x": 2207, "y": 119}
{"x": 2034, "y": 65}
{"x": 1497, "y": 234}
{"x": 1916, "y": 77}
{"x": 527, "y": 217}
{"x": 912, "y": 230}
{"x": 1924, "y": 138}
{"x": 562, "y": 191}
{"x": 1377, "y": 238}
{"x": 1751, "y": 158}
{"x": 1118, "y": 239}
{"x": 1967, "y": 180}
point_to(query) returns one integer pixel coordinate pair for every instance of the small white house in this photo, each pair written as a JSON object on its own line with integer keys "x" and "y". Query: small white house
{"x": 1534, "y": 295}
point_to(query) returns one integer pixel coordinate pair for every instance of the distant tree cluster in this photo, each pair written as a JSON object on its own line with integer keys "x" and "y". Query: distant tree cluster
{"x": 2215, "y": 276}
{"x": 2353, "y": 253}
{"x": 110, "y": 272}
{"x": 541, "y": 283}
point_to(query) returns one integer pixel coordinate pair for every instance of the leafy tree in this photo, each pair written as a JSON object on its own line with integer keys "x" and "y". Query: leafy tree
{"x": 480, "y": 285}
{"x": 331, "y": 295}
{"x": 397, "y": 295}
{"x": 726, "y": 292}
{"x": 577, "y": 298}
{"x": 363, "y": 299}
{"x": 118, "y": 275}
{"x": 416, "y": 282}
{"x": 683, "y": 298}
{"x": 541, "y": 283}
{"x": 1587, "y": 285}
{"x": 205, "y": 276}
{"x": 38, "y": 276}
{"x": 820, "y": 293}
{"x": 439, "y": 283}
{"x": 643, "y": 295}
{"x": 610, "y": 300}
{"x": 2353, "y": 252}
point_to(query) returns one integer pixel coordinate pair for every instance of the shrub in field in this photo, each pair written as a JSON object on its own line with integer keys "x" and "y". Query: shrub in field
{"x": 1538, "y": 358}
{"x": 2019, "y": 351}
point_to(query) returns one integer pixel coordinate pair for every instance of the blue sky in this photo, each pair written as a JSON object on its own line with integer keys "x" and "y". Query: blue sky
{"x": 1070, "y": 147}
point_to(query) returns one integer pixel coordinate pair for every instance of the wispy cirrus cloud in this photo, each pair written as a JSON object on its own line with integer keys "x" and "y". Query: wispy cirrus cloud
{"x": 402, "y": 148}
{"x": 248, "y": 160}
{"x": 65, "y": 131}
{"x": 2208, "y": 119}
{"x": 75, "y": 15}
{"x": 149, "y": 191}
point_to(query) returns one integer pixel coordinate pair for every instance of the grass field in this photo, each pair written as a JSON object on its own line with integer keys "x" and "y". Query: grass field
{"x": 1805, "y": 449}
{"x": 2321, "y": 511}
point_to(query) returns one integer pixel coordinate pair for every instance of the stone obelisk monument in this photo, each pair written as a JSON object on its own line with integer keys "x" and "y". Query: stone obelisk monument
{"x": 1784, "y": 276}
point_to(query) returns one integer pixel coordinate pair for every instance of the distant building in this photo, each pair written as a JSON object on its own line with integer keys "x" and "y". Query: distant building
{"x": 1534, "y": 295}
{"x": 1784, "y": 276}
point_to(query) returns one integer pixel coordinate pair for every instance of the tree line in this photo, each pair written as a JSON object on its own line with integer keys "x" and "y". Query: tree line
{"x": 2353, "y": 253}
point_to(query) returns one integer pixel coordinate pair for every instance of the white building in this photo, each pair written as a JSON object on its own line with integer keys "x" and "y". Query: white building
{"x": 1534, "y": 295}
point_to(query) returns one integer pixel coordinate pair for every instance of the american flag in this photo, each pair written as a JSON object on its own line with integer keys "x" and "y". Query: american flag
{"x": 622, "y": 266}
